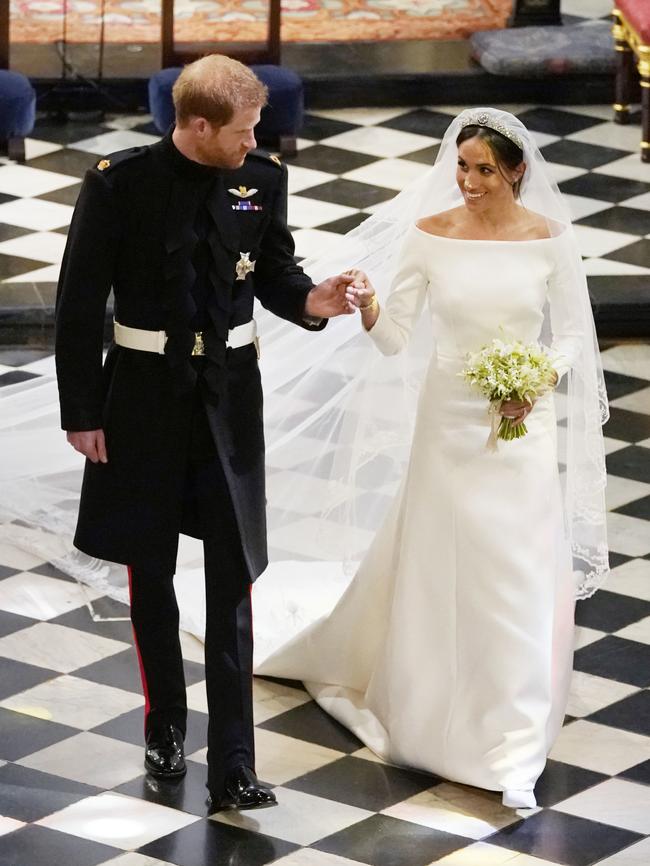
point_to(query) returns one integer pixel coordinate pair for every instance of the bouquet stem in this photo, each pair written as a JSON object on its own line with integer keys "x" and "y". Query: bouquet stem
{"x": 509, "y": 430}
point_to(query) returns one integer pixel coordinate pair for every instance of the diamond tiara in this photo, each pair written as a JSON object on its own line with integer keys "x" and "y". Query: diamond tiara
{"x": 485, "y": 119}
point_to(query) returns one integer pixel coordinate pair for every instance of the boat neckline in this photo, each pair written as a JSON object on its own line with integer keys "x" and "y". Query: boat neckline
{"x": 486, "y": 240}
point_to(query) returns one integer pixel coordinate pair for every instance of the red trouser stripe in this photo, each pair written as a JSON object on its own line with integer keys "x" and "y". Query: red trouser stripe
{"x": 143, "y": 676}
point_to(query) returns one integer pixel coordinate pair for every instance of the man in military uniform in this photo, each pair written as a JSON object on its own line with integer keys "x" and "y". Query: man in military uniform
{"x": 187, "y": 232}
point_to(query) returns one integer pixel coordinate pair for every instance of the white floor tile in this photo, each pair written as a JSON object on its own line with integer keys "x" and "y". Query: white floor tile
{"x": 484, "y": 854}
{"x": 638, "y": 201}
{"x": 590, "y": 693}
{"x": 299, "y": 818}
{"x": 41, "y": 246}
{"x": 622, "y": 490}
{"x": 110, "y": 142}
{"x": 602, "y": 112}
{"x": 304, "y": 178}
{"x": 543, "y": 138}
{"x": 307, "y": 213}
{"x": 8, "y": 825}
{"x": 35, "y": 147}
{"x": 90, "y": 759}
{"x": 388, "y": 173}
{"x": 628, "y": 535}
{"x": 617, "y": 136}
{"x": 616, "y": 802}
{"x": 635, "y": 855}
{"x": 21, "y": 180}
{"x": 632, "y": 359}
{"x": 49, "y": 274}
{"x": 600, "y": 242}
{"x": 638, "y": 401}
{"x": 638, "y": 631}
{"x": 116, "y": 820}
{"x": 454, "y": 809}
{"x": 57, "y": 647}
{"x": 127, "y": 121}
{"x": 132, "y": 858}
{"x": 35, "y": 214}
{"x": 608, "y": 267}
{"x": 380, "y": 142}
{"x": 281, "y": 758}
{"x": 312, "y": 857}
{"x": 73, "y": 701}
{"x": 361, "y": 116}
{"x": 600, "y": 748}
{"x": 631, "y": 578}
{"x": 13, "y": 557}
{"x": 270, "y": 699}
{"x": 312, "y": 242}
{"x": 41, "y": 597}
{"x": 612, "y": 445}
{"x": 587, "y": 8}
{"x": 561, "y": 172}
{"x": 629, "y": 167}
{"x": 584, "y": 636}
{"x": 192, "y": 648}
{"x": 581, "y": 206}
{"x": 196, "y": 697}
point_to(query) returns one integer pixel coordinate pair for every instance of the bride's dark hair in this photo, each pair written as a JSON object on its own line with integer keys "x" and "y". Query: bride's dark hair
{"x": 505, "y": 151}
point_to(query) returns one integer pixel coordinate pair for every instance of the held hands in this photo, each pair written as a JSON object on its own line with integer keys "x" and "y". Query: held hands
{"x": 329, "y": 298}
{"x": 361, "y": 294}
{"x": 519, "y": 410}
{"x": 90, "y": 443}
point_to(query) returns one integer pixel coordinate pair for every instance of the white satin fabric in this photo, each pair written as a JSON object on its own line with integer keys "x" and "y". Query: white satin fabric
{"x": 450, "y": 650}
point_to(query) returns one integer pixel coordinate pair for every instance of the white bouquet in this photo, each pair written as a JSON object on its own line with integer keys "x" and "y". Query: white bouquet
{"x": 509, "y": 371}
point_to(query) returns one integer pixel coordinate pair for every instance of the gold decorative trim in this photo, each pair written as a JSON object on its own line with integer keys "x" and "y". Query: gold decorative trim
{"x": 645, "y": 145}
{"x": 618, "y": 106}
{"x": 624, "y": 32}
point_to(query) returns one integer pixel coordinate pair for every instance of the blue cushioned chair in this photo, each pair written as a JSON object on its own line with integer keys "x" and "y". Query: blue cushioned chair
{"x": 281, "y": 119}
{"x": 17, "y": 113}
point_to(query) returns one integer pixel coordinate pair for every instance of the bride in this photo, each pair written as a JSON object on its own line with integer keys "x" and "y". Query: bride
{"x": 421, "y": 585}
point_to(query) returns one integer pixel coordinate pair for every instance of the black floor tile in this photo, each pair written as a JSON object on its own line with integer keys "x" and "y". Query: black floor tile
{"x": 40, "y": 846}
{"x": 18, "y": 677}
{"x": 615, "y": 658}
{"x": 74, "y": 163}
{"x": 421, "y": 122}
{"x": 385, "y": 841}
{"x": 345, "y": 224}
{"x": 348, "y": 192}
{"x": 49, "y": 129}
{"x": 66, "y": 195}
{"x": 22, "y": 734}
{"x": 637, "y": 508}
{"x": 563, "y": 838}
{"x": 604, "y": 187}
{"x": 5, "y": 571}
{"x": 639, "y": 773}
{"x": 80, "y": 618}
{"x": 123, "y": 672}
{"x": 335, "y": 160}
{"x": 188, "y": 794}
{"x": 309, "y": 722}
{"x": 14, "y": 376}
{"x": 316, "y": 128}
{"x": 426, "y": 156}
{"x": 637, "y": 253}
{"x": 49, "y": 570}
{"x": 11, "y": 622}
{"x": 129, "y": 728}
{"x": 619, "y": 385}
{"x": 555, "y": 122}
{"x": 365, "y": 784}
{"x": 616, "y": 559}
{"x": 5, "y": 197}
{"x": 619, "y": 219}
{"x": 18, "y": 356}
{"x": 560, "y": 781}
{"x": 630, "y": 714}
{"x": 148, "y": 127}
{"x": 631, "y": 462}
{"x": 580, "y": 154}
{"x": 210, "y": 842}
{"x": 611, "y": 611}
{"x": 28, "y": 795}
{"x": 14, "y": 266}
{"x": 8, "y": 232}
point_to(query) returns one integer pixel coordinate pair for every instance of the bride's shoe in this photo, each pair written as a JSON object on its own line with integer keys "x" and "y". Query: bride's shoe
{"x": 519, "y": 799}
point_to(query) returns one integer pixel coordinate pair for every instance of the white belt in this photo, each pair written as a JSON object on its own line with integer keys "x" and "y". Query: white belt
{"x": 154, "y": 341}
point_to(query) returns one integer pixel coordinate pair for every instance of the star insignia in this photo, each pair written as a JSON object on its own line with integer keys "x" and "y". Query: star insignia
{"x": 103, "y": 164}
{"x": 244, "y": 266}
{"x": 274, "y": 158}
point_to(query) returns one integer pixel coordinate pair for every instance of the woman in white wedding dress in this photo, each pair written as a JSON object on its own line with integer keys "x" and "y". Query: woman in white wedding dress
{"x": 450, "y": 651}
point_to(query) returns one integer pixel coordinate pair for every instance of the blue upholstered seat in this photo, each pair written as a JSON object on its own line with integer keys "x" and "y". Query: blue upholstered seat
{"x": 281, "y": 119}
{"x": 17, "y": 112}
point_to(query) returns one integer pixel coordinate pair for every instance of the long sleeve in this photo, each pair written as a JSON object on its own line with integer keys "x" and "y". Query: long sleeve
{"x": 84, "y": 285}
{"x": 565, "y": 308}
{"x": 398, "y": 316}
{"x": 281, "y": 285}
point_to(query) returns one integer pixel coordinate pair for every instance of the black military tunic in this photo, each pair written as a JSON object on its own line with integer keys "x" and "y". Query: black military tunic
{"x": 167, "y": 233}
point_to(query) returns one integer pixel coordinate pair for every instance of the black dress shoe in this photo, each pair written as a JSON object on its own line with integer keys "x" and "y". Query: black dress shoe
{"x": 163, "y": 755}
{"x": 242, "y": 790}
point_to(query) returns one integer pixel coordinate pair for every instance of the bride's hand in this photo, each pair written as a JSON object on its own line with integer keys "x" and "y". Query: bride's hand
{"x": 361, "y": 291}
{"x": 516, "y": 410}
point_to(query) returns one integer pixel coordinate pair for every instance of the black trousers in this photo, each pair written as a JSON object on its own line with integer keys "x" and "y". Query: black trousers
{"x": 228, "y": 634}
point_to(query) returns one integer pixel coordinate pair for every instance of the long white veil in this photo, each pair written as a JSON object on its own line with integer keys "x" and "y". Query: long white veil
{"x": 339, "y": 417}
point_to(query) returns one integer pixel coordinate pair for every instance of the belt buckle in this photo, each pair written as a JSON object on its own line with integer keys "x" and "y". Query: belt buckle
{"x": 199, "y": 346}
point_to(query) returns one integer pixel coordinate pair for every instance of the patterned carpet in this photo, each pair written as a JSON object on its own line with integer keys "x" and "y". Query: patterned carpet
{"x": 41, "y": 21}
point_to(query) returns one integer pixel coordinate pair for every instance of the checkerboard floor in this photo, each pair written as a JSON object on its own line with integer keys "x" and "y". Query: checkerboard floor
{"x": 72, "y": 786}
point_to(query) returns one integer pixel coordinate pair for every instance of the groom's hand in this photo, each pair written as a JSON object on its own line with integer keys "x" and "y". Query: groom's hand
{"x": 328, "y": 298}
{"x": 90, "y": 443}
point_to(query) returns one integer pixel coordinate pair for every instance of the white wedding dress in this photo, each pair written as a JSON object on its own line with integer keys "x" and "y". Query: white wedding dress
{"x": 450, "y": 650}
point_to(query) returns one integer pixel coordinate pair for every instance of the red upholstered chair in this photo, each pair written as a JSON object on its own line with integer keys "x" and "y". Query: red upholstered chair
{"x": 632, "y": 34}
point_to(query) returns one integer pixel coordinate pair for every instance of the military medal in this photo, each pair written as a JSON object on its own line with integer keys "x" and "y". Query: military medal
{"x": 244, "y": 266}
{"x": 243, "y": 193}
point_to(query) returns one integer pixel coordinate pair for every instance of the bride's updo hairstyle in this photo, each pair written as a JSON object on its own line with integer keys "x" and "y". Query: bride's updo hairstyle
{"x": 506, "y": 153}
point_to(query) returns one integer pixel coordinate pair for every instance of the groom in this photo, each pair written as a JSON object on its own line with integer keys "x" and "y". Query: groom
{"x": 187, "y": 232}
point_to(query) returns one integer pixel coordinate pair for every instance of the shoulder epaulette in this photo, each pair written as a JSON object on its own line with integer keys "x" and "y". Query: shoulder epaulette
{"x": 120, "y": 157}
{"x": 265, "y": 157}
